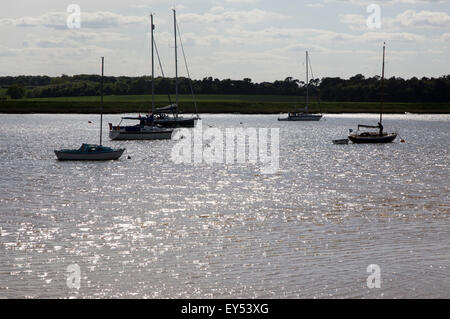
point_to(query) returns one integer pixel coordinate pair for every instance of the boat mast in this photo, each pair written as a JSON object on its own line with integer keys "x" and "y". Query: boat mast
{"x": 307, "y": 82}
{"x": 382, "y": 82}
{"x": 176, "y": 60}
{"x": 153, "y": 74}
{"x": 101, "y": 103}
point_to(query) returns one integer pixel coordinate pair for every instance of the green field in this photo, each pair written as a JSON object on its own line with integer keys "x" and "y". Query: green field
{"x": 246, "y": 104}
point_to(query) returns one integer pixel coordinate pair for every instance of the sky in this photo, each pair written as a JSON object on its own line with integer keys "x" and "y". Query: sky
{"x": 264, "y": 40}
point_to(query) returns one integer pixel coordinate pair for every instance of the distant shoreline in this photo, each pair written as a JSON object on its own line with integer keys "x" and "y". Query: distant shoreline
{"x": 213, "y": 104}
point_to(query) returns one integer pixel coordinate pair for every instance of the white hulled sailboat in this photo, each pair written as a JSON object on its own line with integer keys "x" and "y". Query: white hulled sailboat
{"x": 303, "y": 115}
{"x": 147, "y": 129}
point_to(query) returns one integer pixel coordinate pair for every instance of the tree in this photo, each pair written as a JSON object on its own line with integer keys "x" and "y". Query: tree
{"x": 356, "y": 88}
{"x": 16, "y": 91}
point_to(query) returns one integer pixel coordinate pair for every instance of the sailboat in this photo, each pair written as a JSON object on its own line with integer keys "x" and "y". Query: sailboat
{"x": 147, "y": 129}
{"x": 168, "y": 116}
{"x": 303, "y": 115}
{"x": 374, "y": 137}
{"x": 91, "y": 152}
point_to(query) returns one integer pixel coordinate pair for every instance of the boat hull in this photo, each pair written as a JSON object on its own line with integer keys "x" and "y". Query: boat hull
{"x": 341, "y": 141}
{"x": 389, "y": 138}
{"x": 149, "y": 135}
{"x": 175, "y": 122}
{"x": 104, "y": 156}
{"x": 309, "y": 117}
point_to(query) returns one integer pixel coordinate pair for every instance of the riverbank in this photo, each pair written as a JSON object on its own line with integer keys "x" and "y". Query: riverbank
{"x": 244, "y": 104}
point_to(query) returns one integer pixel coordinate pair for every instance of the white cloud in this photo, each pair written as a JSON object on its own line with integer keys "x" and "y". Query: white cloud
{"x": 321, "y": 36}
{"x": 315, "y": 5}
{"x": 219, "y": 14}
{"x": 411, "y": 18}
{"x": 74, "y": 38}
{"x": 93, "y": 36}
{"x": 354, "y": 21}
{"x": 241, "y": 1}
{"x": 405, "y": 20}
{"x": 7, "y": 52}
{"x": 57, "y": 20}
{"x": 391, "y": 36}
{"x": 229, "y": 38}
{"x": 387, "y": 2}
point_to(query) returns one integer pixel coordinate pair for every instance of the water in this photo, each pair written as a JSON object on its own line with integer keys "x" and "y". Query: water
{"x": 147, "y": 228}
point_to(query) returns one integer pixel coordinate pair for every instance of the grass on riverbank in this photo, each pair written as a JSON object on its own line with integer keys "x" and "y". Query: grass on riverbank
{"x": 245, "y": 104}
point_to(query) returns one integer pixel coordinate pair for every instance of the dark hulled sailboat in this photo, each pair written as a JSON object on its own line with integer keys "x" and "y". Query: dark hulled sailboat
{"x": 168, "y": 116}
{"x": 147, "y": 129}
{"x": 374, "y": 136}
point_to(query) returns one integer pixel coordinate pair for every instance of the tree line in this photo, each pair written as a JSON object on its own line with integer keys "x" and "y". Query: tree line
{"x": 357, "y": 88}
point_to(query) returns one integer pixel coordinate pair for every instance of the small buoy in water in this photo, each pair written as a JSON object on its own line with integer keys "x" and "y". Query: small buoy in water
{"x": 402, "y": 141}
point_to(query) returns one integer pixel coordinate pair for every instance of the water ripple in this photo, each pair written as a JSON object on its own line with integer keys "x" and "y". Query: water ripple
{"x": 147, "y": 228}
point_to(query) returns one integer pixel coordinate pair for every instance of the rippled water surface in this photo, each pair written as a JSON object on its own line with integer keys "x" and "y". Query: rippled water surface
{"x": 146, "y": 227}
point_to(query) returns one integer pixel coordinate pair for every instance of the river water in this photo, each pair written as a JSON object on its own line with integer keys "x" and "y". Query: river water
{"x": 145, "y": 227}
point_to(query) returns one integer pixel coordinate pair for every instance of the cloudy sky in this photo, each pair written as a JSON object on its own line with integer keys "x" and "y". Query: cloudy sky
{"x": 264, "y": 40}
